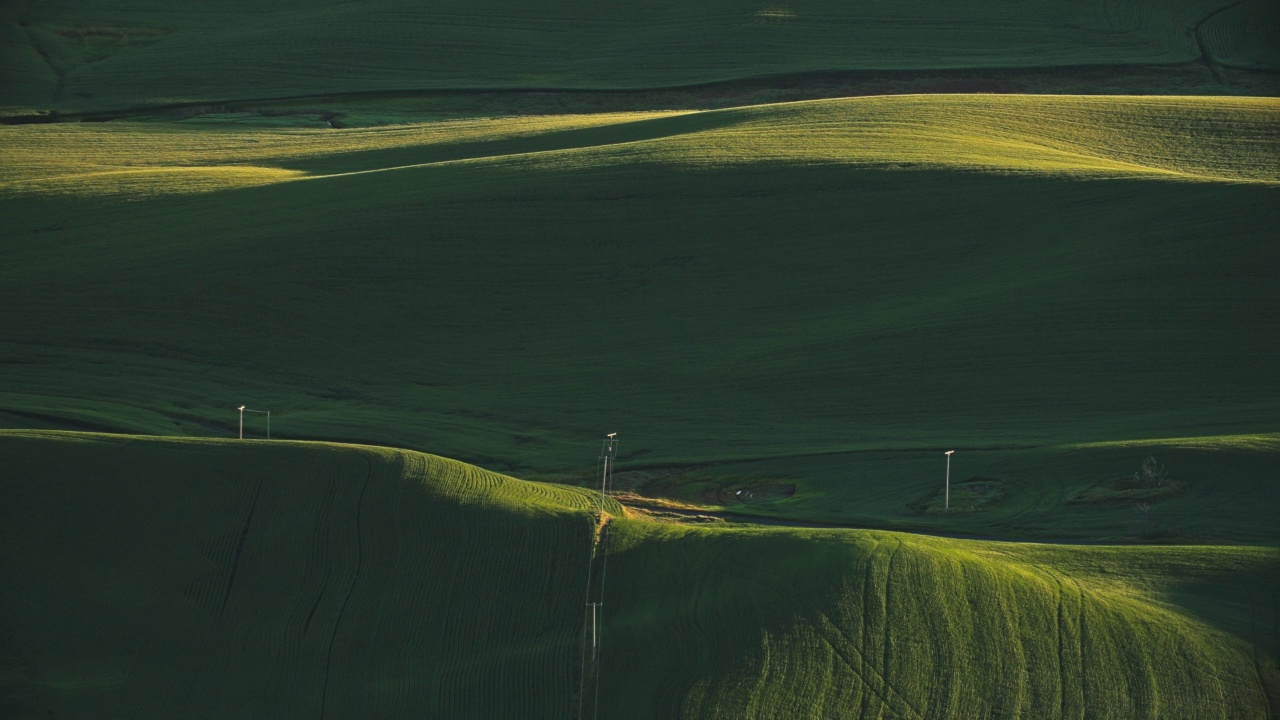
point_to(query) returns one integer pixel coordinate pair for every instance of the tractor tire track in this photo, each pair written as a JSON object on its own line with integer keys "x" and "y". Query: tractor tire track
{"x": 867, "y": 671}
{"x": 1206, "y": 56}
{"x": 866, "y": 620}
{"x": 1062, "y": 624}
{"x": 24, "y": 23}
{"x": 1084, "y": 675}
{"x": 888, "y": 584}
{"x": 1062, "y": 670}
{"x": 848, "y": 662}
{"x": 322, "y": 532}
{"x": 1257, "y": 662}
{"x": 328, "y": 663}
{"x": 235, "y": 558}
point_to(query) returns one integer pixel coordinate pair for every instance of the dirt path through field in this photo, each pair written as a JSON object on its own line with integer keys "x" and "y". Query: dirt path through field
{"x": 660, "y": 510}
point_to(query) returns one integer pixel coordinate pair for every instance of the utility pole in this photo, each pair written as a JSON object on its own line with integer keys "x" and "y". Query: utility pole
{"x": 594, "y": 642}
{"x": 947, "y": 507}
{"x": 595, "y": 585}
{"x": 241, "y": 422}
{"x": 608, "y": 453}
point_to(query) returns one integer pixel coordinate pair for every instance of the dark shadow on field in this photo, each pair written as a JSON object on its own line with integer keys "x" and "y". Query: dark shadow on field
{"x": 234, "y": 579}
{"x": 1252, "y": 611}
{"x": 625, "y": 132}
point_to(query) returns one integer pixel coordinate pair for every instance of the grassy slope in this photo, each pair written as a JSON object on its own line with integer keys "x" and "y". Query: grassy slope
{"x": 1177, "y": 137}
{"x": 108, "y": 54}
{"x": 860, "y": 624}
{"x": 807, "y": 278}
{"x": 157, "y": 578}
{"x": 203, "y": 579}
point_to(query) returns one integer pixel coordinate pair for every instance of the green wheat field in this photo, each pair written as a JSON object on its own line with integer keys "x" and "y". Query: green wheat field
{"x": 791, "y": 252}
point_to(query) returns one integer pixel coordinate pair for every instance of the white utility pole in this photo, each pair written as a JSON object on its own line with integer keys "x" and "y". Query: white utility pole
{"x": 594, "y": 643}
{"x": 241, "y": 422}
{"x": 948, "y": 502}
{"x": 608, "y": 453}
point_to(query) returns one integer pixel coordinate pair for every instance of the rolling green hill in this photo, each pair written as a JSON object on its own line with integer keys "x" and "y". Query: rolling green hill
{"x": 790, "y": 251}
{"x": 779, "y": 281}
{"x": 202, "y": 579}
{"x": 74, "y": 55}
{"x": 774, "y": 623}
{"x": 1224, "y": 139}
{"x": 161, "y": 578}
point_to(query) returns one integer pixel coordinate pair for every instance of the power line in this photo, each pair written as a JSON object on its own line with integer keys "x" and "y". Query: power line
{"x": 591, "y": 553}
{"x": 599, "y": 552}
{"x": 244, "y": 410}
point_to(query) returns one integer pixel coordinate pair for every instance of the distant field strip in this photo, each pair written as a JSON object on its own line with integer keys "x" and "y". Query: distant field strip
{"x": 136, "y": 159}
{"x": 162, "y": 578}
{"x": 1218, "y": 139}
{"x": 127, "y": 52}
{"x": 1268, "y": 443}
{"x": 1223, "y": 491}
{"x": 1223, "y": 139}
{"x": 1244, "y": 34}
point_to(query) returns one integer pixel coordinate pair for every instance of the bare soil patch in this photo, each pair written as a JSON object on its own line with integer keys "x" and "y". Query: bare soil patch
{"x": 972, "y": 495}
{"x": 1126, "y": 491}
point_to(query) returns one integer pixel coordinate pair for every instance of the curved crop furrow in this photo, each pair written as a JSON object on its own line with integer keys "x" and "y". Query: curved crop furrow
{"x": 210, "y": 54}
{"x": 886, "y": 672}
{"x": 1241, "y": 34}
{"x": 867, "y": 625}
{"x": 1206, "y": 55}
{"x": 320, "y": 542}
{"x": 235, "y": 557}
{"x": 1062, "y": 670}
{"x": 310, "y": 506}
{"x": 1082, "y": 639}
{"x": 1260, "y": 671}
{"x": 864, "y": 671}
{"x": 355, "y": 577}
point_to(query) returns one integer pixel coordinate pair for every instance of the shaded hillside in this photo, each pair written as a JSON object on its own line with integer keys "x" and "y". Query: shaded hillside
{"x": 154, "y": 579}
